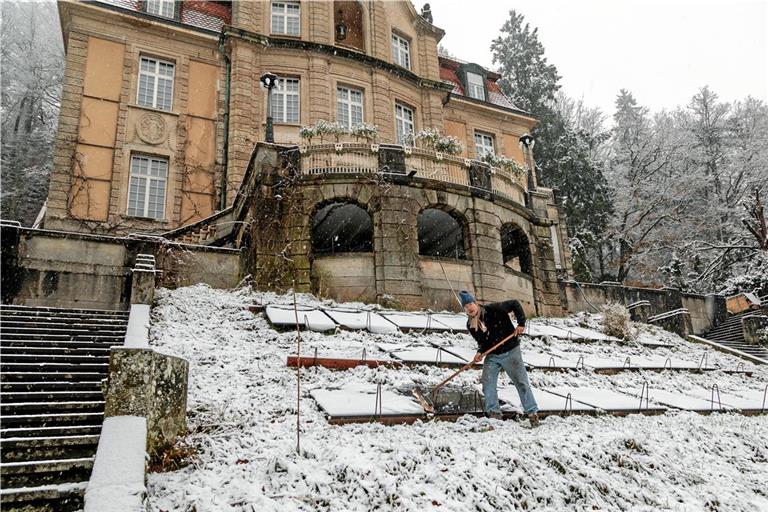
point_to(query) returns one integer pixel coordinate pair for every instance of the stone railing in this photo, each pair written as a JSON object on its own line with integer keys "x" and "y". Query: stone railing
{"x": 358, "y": 158}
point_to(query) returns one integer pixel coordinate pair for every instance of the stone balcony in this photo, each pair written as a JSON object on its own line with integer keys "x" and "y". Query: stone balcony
{"x": 412, "y": 163}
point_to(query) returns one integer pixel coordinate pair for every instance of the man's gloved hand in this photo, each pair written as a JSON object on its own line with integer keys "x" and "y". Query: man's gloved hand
{"x": 520, "y": 329}
{"x": 478, "y": 357}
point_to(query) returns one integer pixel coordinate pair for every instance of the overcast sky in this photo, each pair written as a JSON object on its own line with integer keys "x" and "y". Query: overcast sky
{"x": 662, "y": 51}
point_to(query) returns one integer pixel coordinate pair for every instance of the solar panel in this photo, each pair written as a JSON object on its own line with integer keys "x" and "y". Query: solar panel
{"x": 309, "y": 318}
{"x": 605, "y": 399}
{"x": 430, "y": 355}
{"x": 362, "y": 320}
{"x": 415, "y": 321}
{"x": 547, "y": 402}
{"x": 363, "y": 399}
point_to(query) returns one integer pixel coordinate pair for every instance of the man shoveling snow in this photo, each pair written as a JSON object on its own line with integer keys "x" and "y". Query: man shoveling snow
{"x": 490, "y": 324}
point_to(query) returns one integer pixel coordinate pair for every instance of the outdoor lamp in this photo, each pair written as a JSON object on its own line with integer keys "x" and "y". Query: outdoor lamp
{"x": 269, "y": 80}
{"x": 527, "y": 141}
{"x": 341, "y": 27}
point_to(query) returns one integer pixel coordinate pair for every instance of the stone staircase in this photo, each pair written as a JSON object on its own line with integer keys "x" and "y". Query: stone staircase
{"x": 53, "y": 361}
{"x": 731, "y": 334}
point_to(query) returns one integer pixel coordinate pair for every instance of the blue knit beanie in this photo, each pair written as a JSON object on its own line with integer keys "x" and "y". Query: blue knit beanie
{"x": 466, "y": 298}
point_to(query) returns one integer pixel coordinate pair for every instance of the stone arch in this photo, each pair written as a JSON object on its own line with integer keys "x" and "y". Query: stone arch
{"x": 443, "y": 232}
{"x": 340, "y": 225}
{"x": 516, "y": 248}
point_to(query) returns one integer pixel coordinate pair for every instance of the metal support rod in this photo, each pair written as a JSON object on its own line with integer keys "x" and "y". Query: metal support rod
{"x": 298, "y": 370}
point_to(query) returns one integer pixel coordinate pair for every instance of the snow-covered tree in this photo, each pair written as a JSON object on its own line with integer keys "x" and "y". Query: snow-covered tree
{"x": 32, "y": 70}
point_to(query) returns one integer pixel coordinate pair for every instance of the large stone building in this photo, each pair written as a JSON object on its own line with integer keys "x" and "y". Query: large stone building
{"x": 163, "y": 118}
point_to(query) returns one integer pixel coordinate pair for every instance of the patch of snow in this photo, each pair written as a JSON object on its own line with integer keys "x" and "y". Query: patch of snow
{"x": 117, "y": 479}
{"x": 137, "y": 333}
{"x": 355, "y": 399}
{"x": 242, "y": 421}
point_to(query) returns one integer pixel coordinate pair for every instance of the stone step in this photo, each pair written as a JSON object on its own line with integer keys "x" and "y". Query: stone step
{"x": 52, "y": 420}
{"x": 50, "y": 396}
{"x": 16, "y": 376}
{"x": 48, "y": 367}
{"x": 8, "y": 410}
{"x": 41, "y": 386}
{"x": 57, "y": 328}
{"x": 61, "y": 343}
{"x": 56, "y": 359}
{"x": 64, "y": 320}
{"x": 66, "y": 497}
{"x": 45, "y": 472}
{"x": 19, "y": 449}
{"x": 74, "y": 430}
{"x": 63, "y": 311}
{"x": 77, "y": 331}
{"x": 97, "y": 350}
{"x": 115, "y": 339}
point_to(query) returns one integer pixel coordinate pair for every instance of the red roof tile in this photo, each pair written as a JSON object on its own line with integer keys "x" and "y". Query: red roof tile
{"x": 449, "y": 72}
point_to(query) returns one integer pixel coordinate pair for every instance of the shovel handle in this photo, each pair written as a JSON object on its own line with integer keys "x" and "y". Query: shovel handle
{"x": 470, "y": 364}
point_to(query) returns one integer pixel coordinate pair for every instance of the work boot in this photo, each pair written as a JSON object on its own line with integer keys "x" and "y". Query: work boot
{"x": 496, "y": 415}
{"x": 533, "y": 418}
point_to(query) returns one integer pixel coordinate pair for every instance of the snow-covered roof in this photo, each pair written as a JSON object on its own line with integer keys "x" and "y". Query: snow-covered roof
{"x": 208, "y": 15}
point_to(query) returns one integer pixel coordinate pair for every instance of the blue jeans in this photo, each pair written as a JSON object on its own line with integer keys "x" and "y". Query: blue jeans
{"x": 512, "y": 363}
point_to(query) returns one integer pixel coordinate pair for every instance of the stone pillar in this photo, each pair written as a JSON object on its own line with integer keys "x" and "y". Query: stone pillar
{"x": 753, "y": 326}
{"x": 145, "y": 383}
{"x": 143, "y": 280}
{"x": 716, "y": 308}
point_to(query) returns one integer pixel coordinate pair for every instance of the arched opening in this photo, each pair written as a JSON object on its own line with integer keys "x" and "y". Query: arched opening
{"x": 440, "y": 235}
{"x": 350, "y": 14}
{"x": 515, "y": 250}
{"x": 340, "y": 227}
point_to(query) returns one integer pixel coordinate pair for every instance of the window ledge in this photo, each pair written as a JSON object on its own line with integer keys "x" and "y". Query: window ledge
{"x": 153, "y": 109}
{"x": 517, "y": 273}
{"x": 446, "y": 260}
{"x": 145, "y": 219}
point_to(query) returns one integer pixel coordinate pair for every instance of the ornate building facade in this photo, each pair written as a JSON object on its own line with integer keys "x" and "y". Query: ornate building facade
{"x": 164, "y": 115}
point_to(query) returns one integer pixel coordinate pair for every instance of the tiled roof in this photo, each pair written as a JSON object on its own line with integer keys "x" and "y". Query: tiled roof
{"x": 195, "y": 13}
{"x": 449, "y": 73}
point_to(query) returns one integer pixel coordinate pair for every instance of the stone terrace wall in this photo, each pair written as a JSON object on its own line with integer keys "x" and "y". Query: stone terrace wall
{"x": 706, "y": 311}
{"x": 73, "y": 270}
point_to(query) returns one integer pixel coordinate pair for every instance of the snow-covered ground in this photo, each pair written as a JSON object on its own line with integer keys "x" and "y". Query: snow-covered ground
{"x": 242, "y": 420}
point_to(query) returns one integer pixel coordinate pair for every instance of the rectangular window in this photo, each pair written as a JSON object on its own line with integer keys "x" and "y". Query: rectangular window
{"x": 285, "y": 101}
{"x": 401, "y": 51}
{"x": 155, "y": 84}
{"x": 286, "y": 18}
{"x": 146, "y": 190}
{"x": 403, "y": 122}
{"x": 484, "y": 144}
{"x": 475, "y": 86}
{"x": 349, "y": 106}
{"x": 165, "y": 8}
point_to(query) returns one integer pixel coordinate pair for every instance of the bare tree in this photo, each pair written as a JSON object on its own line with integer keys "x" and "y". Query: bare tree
{"x": 32, "y": 72}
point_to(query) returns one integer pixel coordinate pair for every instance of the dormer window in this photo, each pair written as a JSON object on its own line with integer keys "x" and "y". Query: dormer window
{"x": 401, "y": 51}
{"x": 164, "y": 8}
{"x": 475, "y": 86}
{"x": 286, "y": 18}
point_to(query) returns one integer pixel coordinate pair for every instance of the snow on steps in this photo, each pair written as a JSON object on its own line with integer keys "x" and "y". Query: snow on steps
{"x": 53, "y": 362}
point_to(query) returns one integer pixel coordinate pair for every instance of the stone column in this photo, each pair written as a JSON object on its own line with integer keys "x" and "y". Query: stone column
{"x": 143, "y": 280}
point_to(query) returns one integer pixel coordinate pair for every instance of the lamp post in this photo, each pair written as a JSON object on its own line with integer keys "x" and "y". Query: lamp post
{"x": 269, "y": 80}
{"x": 526, "y": 143}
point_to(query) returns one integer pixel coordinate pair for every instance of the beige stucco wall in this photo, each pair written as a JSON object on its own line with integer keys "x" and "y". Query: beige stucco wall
{"x": 345, "y": 277}
{"x": 101, "y": 125}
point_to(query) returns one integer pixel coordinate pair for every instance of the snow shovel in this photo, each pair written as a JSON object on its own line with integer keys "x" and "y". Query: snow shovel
{"x": 427, "y": 401}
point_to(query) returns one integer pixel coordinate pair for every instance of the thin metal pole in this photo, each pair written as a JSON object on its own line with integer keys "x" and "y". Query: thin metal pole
{"x": 298, "y": 372}
{"x": 270, "y": 136}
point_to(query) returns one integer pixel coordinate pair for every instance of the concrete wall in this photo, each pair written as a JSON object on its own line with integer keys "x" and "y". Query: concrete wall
{"x": 348, "y": 277}
{"x": 706, "y": 311}
{"x": 52, "y": 268}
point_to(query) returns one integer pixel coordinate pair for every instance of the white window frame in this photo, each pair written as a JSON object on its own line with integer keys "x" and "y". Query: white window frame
{"x": 156, "y": 164}
{"x": 404, "y": 119}
{"x": 156, "y": 77}
{"x": 280, "y": 11}
{"x": 484, "y": 144}
{"x": 164, "y": 8}
{"x": 281, "y": 94}
{"x": 349, "y": 99}
{"x": 475, "y": 89}
{"x": 401, "y": 51}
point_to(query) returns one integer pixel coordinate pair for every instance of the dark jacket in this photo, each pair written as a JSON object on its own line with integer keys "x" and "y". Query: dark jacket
{"x": 499, "y": 326}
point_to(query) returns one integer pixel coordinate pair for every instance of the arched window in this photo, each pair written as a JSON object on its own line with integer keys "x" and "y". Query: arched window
{"x": 341, "y": 227}
{"x": 350, "y": 14}
{"x": 440, "y": 234}
{"x": 515, "y": 250}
